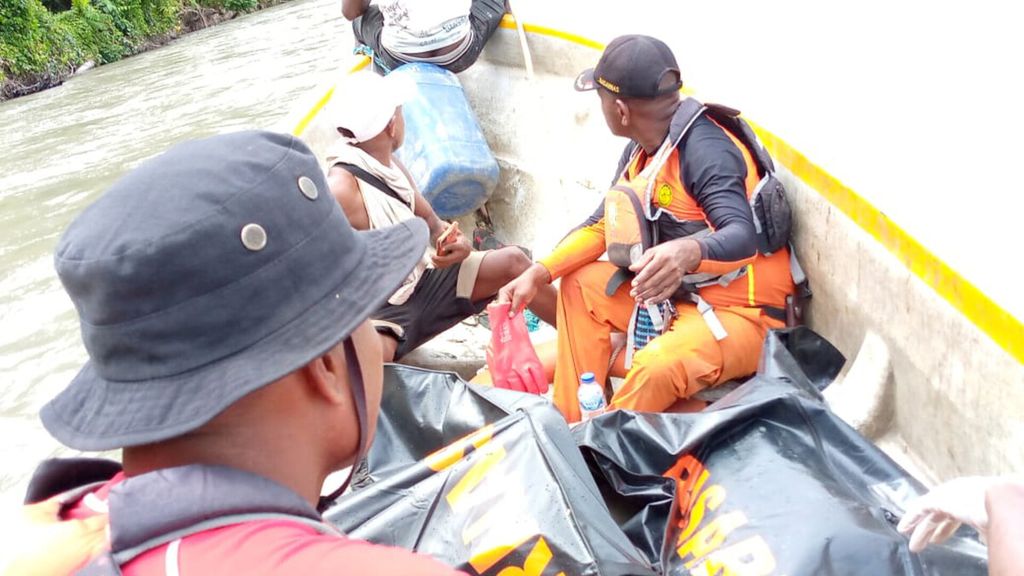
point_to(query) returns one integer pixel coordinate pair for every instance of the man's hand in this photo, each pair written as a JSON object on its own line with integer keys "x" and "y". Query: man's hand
{"x": 934, "y": 517}
{"x": 661, "y": 269}
{"x": 39, "y": 542}
{"x": 453, "y": 252}
{"x": 520, "y": 292}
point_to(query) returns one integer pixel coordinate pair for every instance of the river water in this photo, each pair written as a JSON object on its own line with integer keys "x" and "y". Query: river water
{"x": 61, "y": 148}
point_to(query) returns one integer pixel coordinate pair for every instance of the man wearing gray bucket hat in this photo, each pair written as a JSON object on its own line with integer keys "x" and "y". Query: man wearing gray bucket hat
{"x": 223, "y": 300}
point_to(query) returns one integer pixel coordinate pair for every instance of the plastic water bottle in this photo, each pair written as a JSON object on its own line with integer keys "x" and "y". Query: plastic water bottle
{"x": 591, "y": 396}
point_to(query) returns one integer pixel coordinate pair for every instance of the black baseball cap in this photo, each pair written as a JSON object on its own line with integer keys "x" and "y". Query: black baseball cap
{"x": 632, "y": 66}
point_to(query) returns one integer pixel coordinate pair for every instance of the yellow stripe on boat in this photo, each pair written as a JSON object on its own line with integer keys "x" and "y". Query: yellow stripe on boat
{"x": 509, "y": 22}
{"x": 970, "y": 301}
{"x": 304, "y": 123}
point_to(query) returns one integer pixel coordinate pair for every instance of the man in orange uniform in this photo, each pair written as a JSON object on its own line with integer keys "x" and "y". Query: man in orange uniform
{"x": 698, "y": 178}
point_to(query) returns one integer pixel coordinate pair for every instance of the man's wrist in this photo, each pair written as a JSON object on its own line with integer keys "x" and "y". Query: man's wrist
{"x": 437, "y": 227}
{"x": 540, "y": 273}
{"x": 702, "y": 249}
{"x": 692, "y": 253}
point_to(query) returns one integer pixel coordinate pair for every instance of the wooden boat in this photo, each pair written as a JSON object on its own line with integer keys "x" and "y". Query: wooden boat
{"x": 935, "y": 374}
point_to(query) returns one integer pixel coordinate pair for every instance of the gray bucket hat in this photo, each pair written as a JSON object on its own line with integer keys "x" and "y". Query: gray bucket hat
{"x": 206, "y": 273}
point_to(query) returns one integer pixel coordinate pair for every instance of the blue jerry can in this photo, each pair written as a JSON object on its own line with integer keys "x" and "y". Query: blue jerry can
{"x": 444, "y": 148}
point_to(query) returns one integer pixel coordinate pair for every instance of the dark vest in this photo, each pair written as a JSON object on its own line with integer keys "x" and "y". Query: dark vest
{"x": 154, "y": 509}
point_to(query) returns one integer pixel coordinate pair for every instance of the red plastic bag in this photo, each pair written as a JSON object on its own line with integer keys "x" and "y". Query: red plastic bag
{"x": 511, "y": 358}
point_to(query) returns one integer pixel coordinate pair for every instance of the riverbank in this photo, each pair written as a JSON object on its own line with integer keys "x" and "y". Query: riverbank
{"x": 45, "y": 42}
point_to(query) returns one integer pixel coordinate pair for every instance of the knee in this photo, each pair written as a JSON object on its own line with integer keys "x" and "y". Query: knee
{"x": 512, "y": 261}
{"x": 667, "y": 359}
{"x": 654, "y": 363}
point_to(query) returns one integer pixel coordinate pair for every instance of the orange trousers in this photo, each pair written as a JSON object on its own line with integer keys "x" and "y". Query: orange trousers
{"x": 673, "y": 366}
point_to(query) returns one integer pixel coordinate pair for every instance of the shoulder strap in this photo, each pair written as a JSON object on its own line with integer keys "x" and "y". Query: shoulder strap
{"x": 730, "y": 119}
{"x": 685, "y": 115}
{"x": 372, "y": 181}
{"x": 803, "y": 287}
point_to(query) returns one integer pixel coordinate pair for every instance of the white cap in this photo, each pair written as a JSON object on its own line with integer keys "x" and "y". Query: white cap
{"x": 363, "y": 102}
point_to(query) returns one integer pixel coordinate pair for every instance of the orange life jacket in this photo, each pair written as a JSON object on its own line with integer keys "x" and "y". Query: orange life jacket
{"x": 636, "y": 209}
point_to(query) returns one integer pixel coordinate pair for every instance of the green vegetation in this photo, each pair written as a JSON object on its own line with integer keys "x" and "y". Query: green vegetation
{"x": 42, "y": 42}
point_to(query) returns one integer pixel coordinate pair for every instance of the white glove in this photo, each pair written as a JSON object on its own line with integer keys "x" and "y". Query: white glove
{"x": 934, "y": 517}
